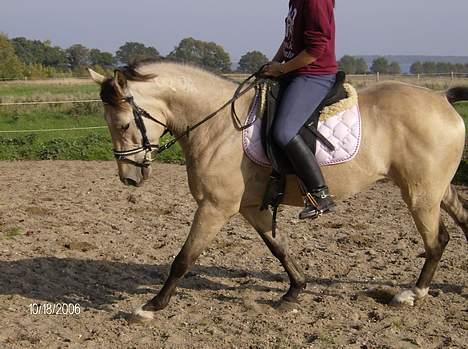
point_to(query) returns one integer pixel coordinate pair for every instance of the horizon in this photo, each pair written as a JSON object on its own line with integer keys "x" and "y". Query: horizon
{"x": 237, "y": 59}
{"x": 397, "y": 28}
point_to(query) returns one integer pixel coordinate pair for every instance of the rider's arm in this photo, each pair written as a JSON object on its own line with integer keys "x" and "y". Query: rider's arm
{"x": 279, "y": 57}
{"x": 301, "y": 60}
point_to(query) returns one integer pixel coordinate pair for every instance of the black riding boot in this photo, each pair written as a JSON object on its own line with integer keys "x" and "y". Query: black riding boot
{"x": 317, "y": 200}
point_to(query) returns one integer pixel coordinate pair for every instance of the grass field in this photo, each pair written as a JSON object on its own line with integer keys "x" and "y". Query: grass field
{"x": 93, "y": 144}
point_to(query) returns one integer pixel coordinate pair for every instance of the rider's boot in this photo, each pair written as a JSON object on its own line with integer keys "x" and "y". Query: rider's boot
{"x": 317, "y": 199}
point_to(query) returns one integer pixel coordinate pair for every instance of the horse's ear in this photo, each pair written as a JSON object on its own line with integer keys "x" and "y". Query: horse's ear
{"x": 120, "y": 79}
{"x": 96, "y": 77}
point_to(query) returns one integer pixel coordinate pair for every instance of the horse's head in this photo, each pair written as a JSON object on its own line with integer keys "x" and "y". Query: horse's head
{"x": 135, "y": 132}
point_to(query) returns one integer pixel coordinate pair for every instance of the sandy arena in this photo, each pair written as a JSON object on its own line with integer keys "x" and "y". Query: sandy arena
{"x": 71, "y": 233}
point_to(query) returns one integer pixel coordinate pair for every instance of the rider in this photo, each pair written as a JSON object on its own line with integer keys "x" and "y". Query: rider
{"x": 306, "y": 65}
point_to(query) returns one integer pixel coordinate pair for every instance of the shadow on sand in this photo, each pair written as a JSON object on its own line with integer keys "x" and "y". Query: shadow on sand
{"x": 98, "y": 283}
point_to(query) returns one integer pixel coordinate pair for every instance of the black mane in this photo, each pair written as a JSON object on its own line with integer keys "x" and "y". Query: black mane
{"x": 110, "y": 92}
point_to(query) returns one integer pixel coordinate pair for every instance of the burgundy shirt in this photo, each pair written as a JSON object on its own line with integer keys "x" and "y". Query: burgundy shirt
{"x": 310, "y": 26}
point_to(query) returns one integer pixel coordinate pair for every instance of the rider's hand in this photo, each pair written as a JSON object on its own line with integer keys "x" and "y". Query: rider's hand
{"x": 273, "y": 69}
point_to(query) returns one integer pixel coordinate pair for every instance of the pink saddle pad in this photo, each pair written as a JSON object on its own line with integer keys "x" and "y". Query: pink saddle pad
{"x": 343, "y": 130}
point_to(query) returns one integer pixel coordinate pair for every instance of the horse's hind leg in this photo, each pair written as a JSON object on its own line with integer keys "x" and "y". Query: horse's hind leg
{"x": 456, "y": 207}
{"x": 435, "y": 237}
{"x": 262, "y": 223}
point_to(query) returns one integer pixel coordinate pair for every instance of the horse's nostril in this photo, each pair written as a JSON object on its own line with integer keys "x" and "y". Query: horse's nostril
{"x": 129, "y": 181}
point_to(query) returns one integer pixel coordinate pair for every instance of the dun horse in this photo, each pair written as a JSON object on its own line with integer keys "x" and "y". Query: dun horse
{"x": 409, "y": 134}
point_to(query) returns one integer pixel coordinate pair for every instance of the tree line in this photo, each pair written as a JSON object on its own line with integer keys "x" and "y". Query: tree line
{"x": 24, "y": 58}
{"x": 357, "y": 65}
{"x": 438, "y": 68}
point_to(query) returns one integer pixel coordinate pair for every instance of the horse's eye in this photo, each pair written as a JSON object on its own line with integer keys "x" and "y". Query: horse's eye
{"x": 125, "y": 127}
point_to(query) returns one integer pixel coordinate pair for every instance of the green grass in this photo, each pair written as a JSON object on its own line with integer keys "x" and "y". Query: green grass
{"x": 78, "y": 145}
{"x": 26, "y": 91}
{"x": 462, "y": 108}
{"x": 94, "y": 144}
{"x": 63, "y": 145}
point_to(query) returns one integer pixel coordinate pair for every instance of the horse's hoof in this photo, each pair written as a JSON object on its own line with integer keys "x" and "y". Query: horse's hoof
{"x": 404, "y": 298}
{"x": 409, "y": 296}
{"x": 139, "y": 315}
{"x": 285, "y": 306}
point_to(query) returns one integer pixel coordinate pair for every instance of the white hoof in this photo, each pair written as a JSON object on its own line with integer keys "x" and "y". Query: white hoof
{"x": 408, "y": 297}
{"x": 140, "y": 315}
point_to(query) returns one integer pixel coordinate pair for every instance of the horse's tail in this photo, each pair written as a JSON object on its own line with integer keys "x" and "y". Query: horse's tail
{"x": 457, "y": 208}
{"x": 456, "y": 94}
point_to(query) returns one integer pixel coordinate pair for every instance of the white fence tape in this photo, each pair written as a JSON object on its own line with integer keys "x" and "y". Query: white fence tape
{"x": 56, "y": 129}
{"x": 49, "y": 102}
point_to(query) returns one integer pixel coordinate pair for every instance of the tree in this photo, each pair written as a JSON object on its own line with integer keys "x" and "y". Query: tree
{"x": 361, "y": 66}
{"x": 38, "y": 52}
{"x": 10, "y": 65}
{"x": 416, "y": 68}
{"x": 103, "y": 59}
{"x": 134, "y": 51}
{"x": 252, "y": 61}
{"x": 394, "y": 68}
{"x": 457, "y": 68}
{"x": 347, "y": 63}
{"x": 429, "y": 67}
{"x": 55, "y": 56}
{"x": 29, "y": 51}
{"x": 380, "y": 65}
{"x": 78, "y": 56}
{"x": 353, "y": 65}
{"x": 206, "y": 54}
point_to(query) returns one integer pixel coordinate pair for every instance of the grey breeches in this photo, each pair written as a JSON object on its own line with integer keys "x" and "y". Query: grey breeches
{"x": 300, "y": 96}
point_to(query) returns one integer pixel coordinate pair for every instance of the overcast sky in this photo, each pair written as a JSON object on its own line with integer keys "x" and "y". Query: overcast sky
{"x": 422, "y": 27}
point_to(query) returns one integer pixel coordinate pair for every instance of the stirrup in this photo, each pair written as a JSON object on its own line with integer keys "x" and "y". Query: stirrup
{"x": 317, "y": 204}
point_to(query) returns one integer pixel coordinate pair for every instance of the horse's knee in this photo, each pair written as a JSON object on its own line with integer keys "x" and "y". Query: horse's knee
{"x": 444, "y": 236}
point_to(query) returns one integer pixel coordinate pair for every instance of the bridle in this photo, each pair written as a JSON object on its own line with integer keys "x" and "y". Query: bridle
{"x": 152, "y": 150}
{"x": 147, "y": 147}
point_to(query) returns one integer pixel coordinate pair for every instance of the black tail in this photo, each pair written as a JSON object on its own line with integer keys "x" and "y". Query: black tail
{"x": 457, "y": 94}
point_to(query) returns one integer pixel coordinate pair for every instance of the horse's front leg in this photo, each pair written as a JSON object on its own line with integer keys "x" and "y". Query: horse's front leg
{"x": 262, "y": 223}
{"x": 206, "y": 224}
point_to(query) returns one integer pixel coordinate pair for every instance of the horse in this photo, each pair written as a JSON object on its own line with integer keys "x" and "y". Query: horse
{"x": 411, "y": 135}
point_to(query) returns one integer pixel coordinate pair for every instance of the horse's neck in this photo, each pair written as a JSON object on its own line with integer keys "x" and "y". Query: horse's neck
{"x": 190, "y": 106}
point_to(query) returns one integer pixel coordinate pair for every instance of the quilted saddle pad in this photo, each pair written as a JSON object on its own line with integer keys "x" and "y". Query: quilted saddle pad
{"x": 342, "y": 129}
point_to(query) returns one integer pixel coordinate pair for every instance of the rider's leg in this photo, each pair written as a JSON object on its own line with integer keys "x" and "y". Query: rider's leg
{"x": 299, "y": 99}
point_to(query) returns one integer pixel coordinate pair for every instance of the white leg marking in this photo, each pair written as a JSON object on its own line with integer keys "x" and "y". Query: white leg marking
{"x": 142, "y": 315}
{"x": 421, "y": 292}
{"x": 408, "y": 297}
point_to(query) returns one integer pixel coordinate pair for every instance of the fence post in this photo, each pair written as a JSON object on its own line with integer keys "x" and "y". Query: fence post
{"x": 378, "y": 76}
{"x": 452, "y": 75}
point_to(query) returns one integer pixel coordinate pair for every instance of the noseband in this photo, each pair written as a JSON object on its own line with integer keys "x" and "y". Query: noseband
{"x": 147, "y": 147}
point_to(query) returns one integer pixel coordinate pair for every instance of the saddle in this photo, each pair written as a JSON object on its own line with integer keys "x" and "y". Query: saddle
{"x": 269, "y": 94}
{"x": 269, "y": 98}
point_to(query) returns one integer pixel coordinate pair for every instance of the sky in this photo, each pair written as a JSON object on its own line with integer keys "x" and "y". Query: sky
{"x": 409, "y": 27}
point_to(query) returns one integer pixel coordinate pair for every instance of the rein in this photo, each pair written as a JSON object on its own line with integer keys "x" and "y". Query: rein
{"x": 152, "y": 150}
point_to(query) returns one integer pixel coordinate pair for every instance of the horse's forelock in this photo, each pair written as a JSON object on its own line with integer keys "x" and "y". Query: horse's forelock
{"x": 110, "y": 93}
{"x": 111, "y": 88}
